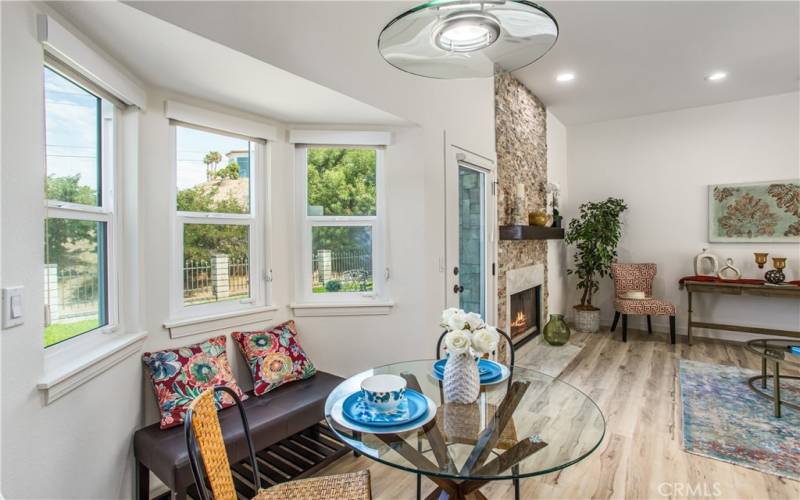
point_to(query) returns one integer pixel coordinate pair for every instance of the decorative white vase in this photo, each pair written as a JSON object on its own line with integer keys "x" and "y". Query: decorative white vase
{"x": 705, "y": 264}
{"x": 462, "y": 383}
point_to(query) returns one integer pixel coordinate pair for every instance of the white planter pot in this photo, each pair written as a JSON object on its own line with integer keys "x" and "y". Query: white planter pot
{"x": 587, "y": 321}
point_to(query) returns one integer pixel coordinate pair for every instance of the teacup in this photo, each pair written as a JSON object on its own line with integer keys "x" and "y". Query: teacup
{"x": 384, "y": 392}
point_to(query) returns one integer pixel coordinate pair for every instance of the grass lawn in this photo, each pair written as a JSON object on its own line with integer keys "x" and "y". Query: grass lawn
{"x": 57, "y": 332}
{"x": 346, "y": 287}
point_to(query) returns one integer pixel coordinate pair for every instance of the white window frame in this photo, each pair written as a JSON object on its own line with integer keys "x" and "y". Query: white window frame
{"x": 106, "y": 213}
{"x": 257, "y": 221}
{"x": 305, "y": 223}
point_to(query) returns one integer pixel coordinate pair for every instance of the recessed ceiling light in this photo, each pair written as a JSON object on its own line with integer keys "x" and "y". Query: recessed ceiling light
{"x": 716, "y": 76}
{"x": 565, "y": 77}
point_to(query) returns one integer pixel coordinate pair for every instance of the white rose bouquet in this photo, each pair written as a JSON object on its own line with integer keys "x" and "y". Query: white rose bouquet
{"x": 458, "y": 341}
{"x": 466, "y": 332}
{"x": 485, "y": 340}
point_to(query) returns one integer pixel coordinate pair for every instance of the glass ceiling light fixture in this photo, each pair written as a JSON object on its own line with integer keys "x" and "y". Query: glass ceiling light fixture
{"x": 466, "y": 31}
{"x": 468, "y": 39}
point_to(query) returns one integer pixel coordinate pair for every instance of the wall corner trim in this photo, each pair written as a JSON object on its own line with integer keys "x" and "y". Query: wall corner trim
{"x": 63, "y": 378}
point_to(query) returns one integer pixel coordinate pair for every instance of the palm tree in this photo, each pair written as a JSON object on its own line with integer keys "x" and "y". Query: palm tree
{"x": 211, "y": 158}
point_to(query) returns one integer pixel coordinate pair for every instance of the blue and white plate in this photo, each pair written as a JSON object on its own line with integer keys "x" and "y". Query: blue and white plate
{"x": 360, "y": 411}
{"x": 337, "y": 414}
{"x": 490, "y": 372}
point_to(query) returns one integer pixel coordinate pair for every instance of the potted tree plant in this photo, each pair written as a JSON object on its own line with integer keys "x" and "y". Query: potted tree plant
{"x": 595, "y": 233}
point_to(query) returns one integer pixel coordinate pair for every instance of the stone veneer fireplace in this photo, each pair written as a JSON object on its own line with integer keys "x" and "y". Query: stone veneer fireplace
{"x": 521, "y": 145}
{"x": 524, "y": 312}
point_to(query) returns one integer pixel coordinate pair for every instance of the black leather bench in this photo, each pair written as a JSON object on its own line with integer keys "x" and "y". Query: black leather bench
{"x": 273, "y": 417}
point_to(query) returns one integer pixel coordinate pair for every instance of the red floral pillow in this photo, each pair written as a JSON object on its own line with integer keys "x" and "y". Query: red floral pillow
{"x": 180, "y": 375}
{"x": 274, "y": 356}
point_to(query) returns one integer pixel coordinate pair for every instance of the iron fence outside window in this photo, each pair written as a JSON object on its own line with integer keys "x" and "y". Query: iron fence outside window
{"x": 203, "y": 283}
{"x": 350, "y": 270}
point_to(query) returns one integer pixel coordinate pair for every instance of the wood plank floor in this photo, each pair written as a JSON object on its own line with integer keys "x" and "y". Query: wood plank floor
{"x": 635, "y": 385}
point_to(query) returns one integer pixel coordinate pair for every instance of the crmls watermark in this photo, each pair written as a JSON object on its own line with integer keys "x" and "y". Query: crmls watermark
{"x": 679, "y": 490}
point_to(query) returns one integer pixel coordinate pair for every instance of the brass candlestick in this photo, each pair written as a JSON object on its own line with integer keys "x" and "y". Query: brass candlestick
{"x": 776, "y": 276}
{"x": 761, "y": 259}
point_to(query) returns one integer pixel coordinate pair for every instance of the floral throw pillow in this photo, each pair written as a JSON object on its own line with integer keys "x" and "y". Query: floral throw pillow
{"x": 274, "y": 356}
{"x": 180, "y": 375}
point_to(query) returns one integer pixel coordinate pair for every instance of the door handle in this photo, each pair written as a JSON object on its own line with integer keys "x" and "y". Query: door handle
{"x": 458, "y": 288}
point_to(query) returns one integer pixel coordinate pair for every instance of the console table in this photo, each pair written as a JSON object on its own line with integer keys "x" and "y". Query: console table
{"x": 702, "y": 284}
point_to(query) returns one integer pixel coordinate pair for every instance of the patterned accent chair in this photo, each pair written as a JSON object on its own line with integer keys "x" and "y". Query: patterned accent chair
{"x": 638, "y": 277}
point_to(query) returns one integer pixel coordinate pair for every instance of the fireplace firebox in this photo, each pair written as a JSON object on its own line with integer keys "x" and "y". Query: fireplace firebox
{"x": 525, "y": 314}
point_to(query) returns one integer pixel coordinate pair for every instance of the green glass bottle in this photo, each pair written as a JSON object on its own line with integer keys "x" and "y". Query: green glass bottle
{"x": 556, "y": 331}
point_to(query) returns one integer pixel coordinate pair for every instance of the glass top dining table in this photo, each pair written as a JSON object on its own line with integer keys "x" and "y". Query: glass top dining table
{"x": 527, "y": 425}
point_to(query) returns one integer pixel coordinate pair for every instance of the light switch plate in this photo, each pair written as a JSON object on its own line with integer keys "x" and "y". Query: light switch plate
{"x": 13, "y": 310}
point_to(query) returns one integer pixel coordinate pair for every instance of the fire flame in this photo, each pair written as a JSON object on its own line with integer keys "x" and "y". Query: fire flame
{"x": 520, "y": 320}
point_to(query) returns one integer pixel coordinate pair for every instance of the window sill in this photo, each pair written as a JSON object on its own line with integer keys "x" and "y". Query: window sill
{"x": 342, "y": 309}
{"x": 65, "y": 372}
{"x": 204, "y": 324}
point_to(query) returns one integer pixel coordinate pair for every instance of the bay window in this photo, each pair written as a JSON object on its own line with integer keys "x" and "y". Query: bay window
{"x": 79, "y": 274}
{"x": 219, "y": 221}
{"x": 340, "y": 206}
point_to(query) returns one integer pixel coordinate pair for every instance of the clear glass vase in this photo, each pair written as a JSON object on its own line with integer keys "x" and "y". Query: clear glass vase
{"x": 556, "y": 331}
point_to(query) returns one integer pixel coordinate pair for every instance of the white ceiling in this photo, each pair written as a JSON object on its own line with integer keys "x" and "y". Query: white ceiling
{"x": 167, "y": 56}
{"x": 630, "y": 58}
{"x": 635, "y": 58}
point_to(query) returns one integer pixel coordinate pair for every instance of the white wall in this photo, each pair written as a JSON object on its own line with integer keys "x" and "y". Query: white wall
{"x": 661, "y": 165}
{"x": 556, "y": 249}
{"x": 79, "y": 446}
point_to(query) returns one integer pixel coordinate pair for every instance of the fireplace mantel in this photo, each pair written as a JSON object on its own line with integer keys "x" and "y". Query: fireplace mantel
{"x": 531, "y": 233}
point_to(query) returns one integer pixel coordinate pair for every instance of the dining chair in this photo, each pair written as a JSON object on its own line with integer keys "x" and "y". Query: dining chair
{"x": 458, "y": 422}
{"x": 209, "y": 461}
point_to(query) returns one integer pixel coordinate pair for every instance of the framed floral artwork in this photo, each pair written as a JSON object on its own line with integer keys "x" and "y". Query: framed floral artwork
{"x": 763, "y": 212}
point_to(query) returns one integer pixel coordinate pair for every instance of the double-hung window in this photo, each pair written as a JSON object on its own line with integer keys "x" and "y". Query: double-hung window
{"x": 79, "y": 278}
{"x": 340, "y": 206}
{"x": 219, "y": 225}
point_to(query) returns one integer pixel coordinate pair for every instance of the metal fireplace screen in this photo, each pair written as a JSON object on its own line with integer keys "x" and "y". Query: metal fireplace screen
{"x": 525, "y": 312}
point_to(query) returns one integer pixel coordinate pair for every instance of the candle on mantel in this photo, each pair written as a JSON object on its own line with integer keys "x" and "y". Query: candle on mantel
{"x": 520, "y": 190}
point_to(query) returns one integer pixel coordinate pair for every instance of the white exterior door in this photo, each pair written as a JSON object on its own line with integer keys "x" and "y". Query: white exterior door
{"x": 471, "y": 242}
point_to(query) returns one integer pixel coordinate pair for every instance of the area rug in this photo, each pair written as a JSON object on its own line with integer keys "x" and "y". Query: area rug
{"x": 724, "y": 419}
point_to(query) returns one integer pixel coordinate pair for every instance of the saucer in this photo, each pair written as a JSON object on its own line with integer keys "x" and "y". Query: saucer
{"x": 338, "y": 416}
{"x": 358, "y": 410}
